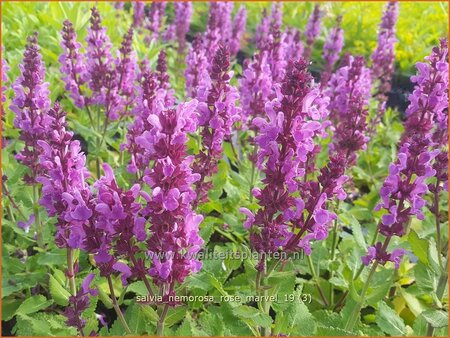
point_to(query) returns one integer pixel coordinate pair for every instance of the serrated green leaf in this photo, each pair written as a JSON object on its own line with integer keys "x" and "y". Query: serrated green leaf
{"x": 436, "y": 318}
{"x": 389, "y": 321}
{"x": 33, "y": 304}
{"x": 59, "y": 294}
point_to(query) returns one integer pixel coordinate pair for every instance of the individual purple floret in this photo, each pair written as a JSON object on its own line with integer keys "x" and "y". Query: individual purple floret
{"x": 285, "y": 141}
{"x": 30, "y": 104}
{"x": 383, "y": 58}
{"x": 218, "y": 112}
{"x": 403, "y": 191}
{"x": 79, "y": 303}
{"x": 331, "y": 50}
{"x": 312, "y": 30}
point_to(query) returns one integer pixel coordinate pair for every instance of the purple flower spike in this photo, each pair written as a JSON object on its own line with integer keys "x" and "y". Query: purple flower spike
{"x": 31, "y": 104}
{"x": 174, "y": 239}
{"x": 331, "y": 50}
{"x": 379, "y": 254}
{"x": 217, "y": 114}
{"x": 312, "y": 30}
{"x": 73, "y": 65}
{"x": 238, "y": 30}
{"x": 383, "y": 58}
{"x": 285, "y": 144}
{"x": 63, "y": 174}
{"x": 80, "y": 303}
{"x": 403, "y": 191}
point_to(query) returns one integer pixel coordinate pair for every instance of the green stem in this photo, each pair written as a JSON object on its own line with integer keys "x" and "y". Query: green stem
{"x": 316, "y": 279}
{"x": 264, "y": 304}
{"x": 162, "y": 318}
{"x": 333, "y": 253}
{"x": 116, "y": 306}
{"x": 355, "y": 313}
{"x": 252, "y": 182}
{"x": 438, "y": 225}
{"x": 40, "y": 240}
{"x": 71, "y": 273}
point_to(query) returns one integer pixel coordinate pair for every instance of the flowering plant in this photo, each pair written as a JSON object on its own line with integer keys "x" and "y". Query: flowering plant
{"x": 193, "y": 169}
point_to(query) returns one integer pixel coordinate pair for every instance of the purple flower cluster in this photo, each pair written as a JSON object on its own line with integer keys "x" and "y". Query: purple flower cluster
{"x": 331, "y": 50}
{"x": 285, "y": 141}
{"x": 117, "y": 229}
{"x": 153, "y": 94}
{"x": 154, "y": 20}
{"x": 383, "y": 57}
{"x": 403, "y": 191}
{"x": 80, "y": 303}
{"x": 292, "y": 42}
{"x": 63, "y": 177}
{"x": 349, "y": 90}
{"x": 217, "y": 114}
{"x": 197, "y": 65}
{"x": 174, "y": 239}
{"x": 238, "y": 30}
{"x": 138, "y": 13}
{"x": 181, "y": 23}
{"x": 312, "y": 30}
{"x": 350, "y": 83}
{"x": 273, "y": 43}
{"x": 256, "y": 87}
{"x": 110, "y": 80}
{"x": 30, "y": 104}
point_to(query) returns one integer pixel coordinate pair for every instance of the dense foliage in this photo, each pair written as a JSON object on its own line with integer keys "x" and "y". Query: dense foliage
{"x": 224, "y": 169}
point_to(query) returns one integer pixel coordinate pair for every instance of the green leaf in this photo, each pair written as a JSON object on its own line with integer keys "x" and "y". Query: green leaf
{"x": 419, "y": 246}
{"x": 257, "y": 317}
{"x": 33, "y": 304}
{"x": 295, "y": 319}
{"x": 150, "y": 313}
{"x": 175, "y": 315}
{"x": 436, "y": 318}
{"x": 135, "y": 317}
{"x": 389, "y": 321}
{"x": 59, "y": 294}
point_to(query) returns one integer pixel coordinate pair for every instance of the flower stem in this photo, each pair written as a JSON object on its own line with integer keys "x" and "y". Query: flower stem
{"x": 316, "y": 279}
{"x": 40, "y": 240}
{"x": 116, "y": 306}
{"x": 438, "y": 225}
{"x": 333, "y": 253}
{"x": 162, "y": 318}
{"x": 355, "y": 313}
{"x": 71, "y": 273}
